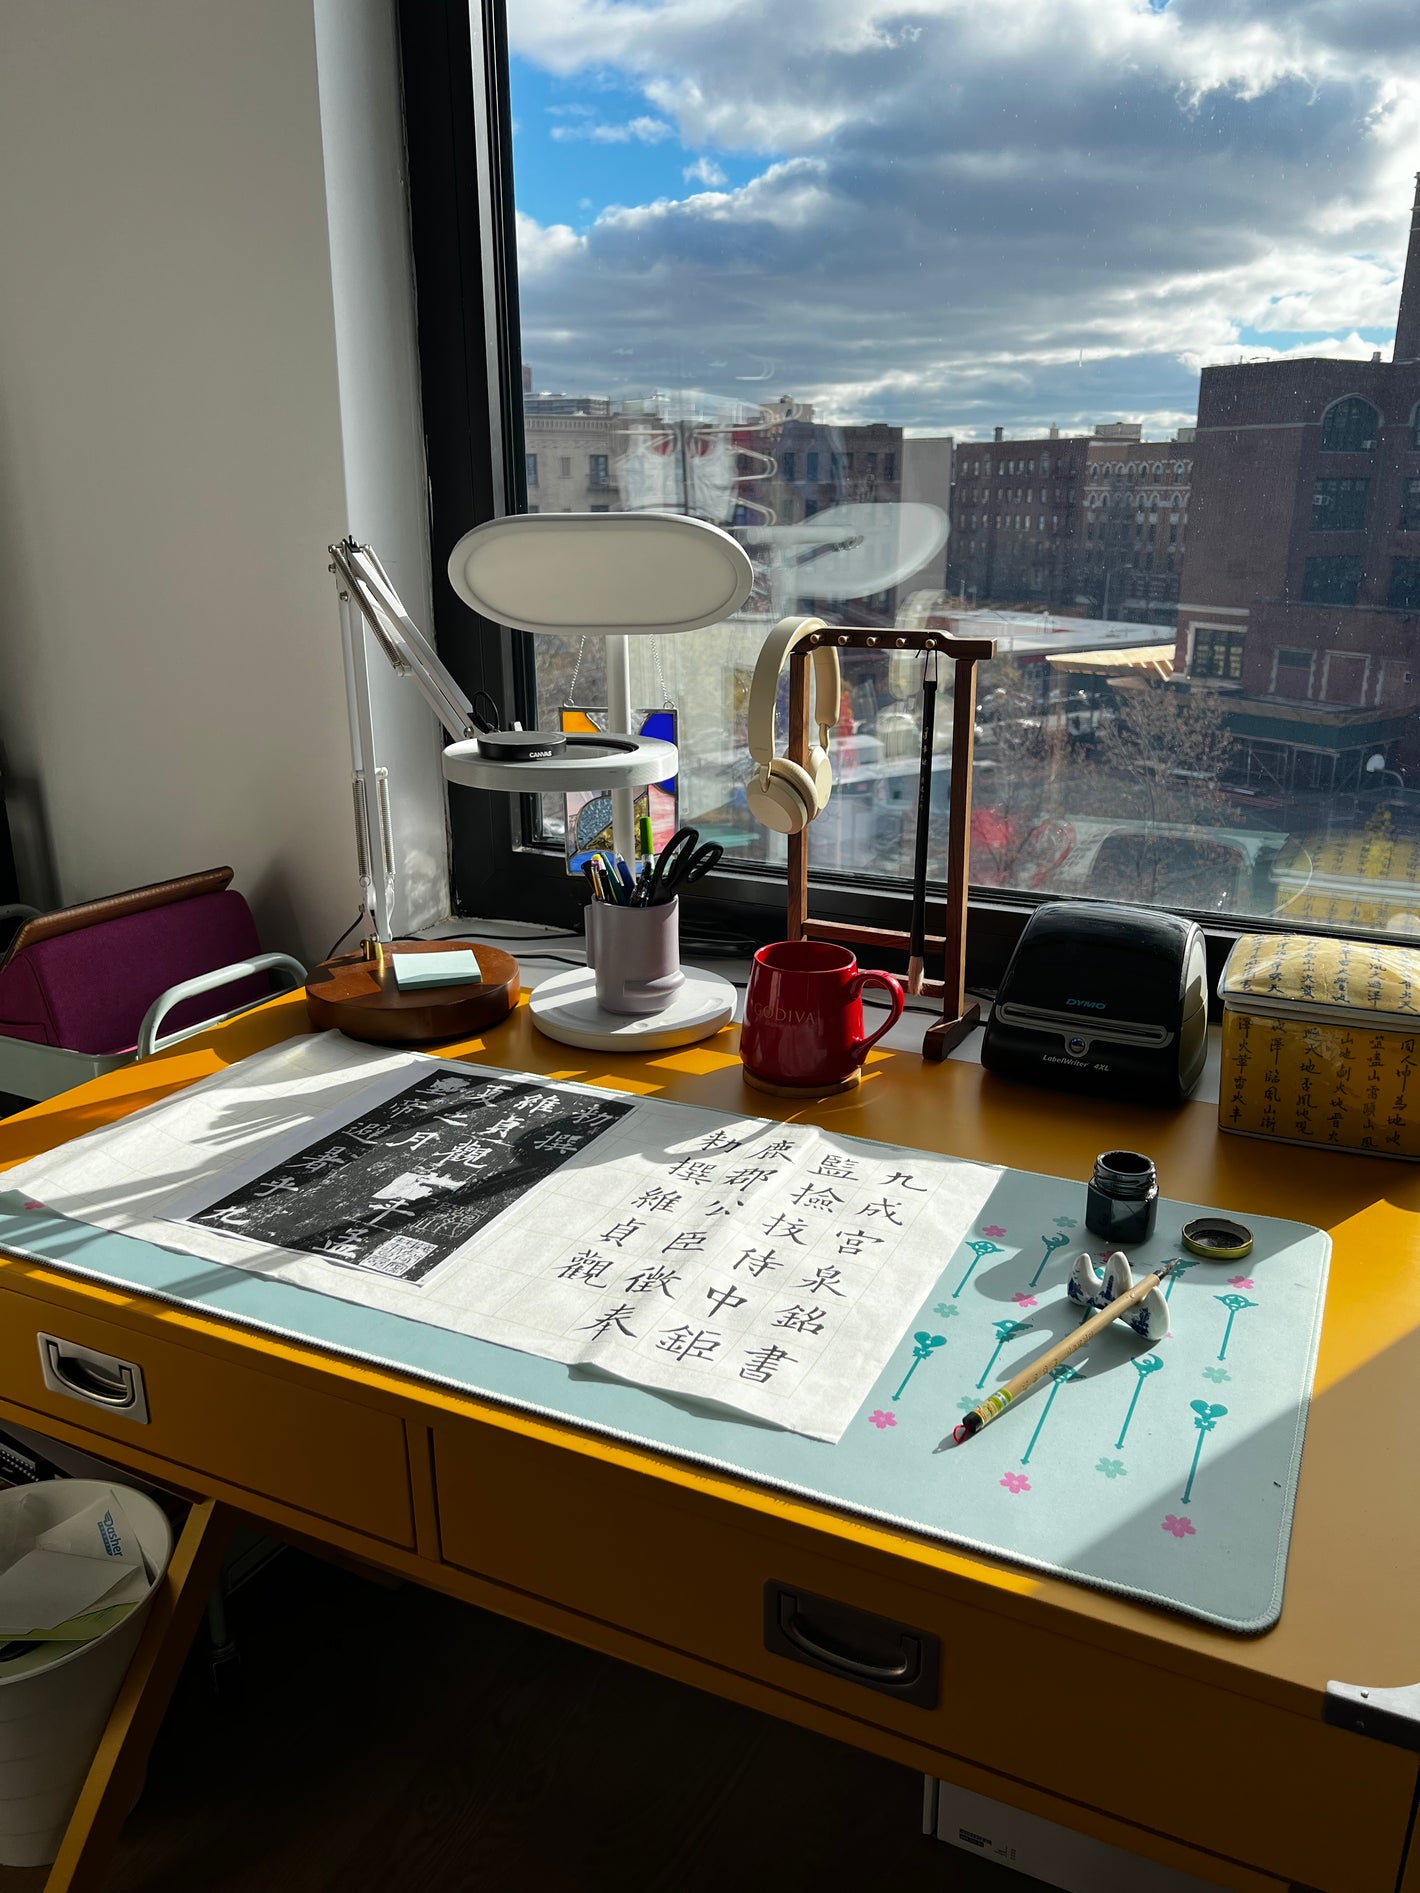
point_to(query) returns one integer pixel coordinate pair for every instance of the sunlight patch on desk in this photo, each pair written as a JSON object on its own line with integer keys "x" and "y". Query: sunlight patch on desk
{"x": 697, "y": 1060}
{"x": 1383, "y": 1304}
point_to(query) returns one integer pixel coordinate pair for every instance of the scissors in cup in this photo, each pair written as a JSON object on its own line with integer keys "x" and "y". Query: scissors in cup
{"x": 680, "y": 862}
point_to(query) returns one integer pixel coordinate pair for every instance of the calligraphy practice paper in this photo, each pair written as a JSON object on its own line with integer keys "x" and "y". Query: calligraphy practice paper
{"x": 765, "y": 1267}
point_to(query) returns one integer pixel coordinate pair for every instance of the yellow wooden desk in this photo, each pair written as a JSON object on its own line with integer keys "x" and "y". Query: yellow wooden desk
{"x": 1206, "y": 1751}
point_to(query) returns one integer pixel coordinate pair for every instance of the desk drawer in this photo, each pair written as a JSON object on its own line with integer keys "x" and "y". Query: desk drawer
{"x": 1209, "y": 1767}
{"x": 269, "y": 1435}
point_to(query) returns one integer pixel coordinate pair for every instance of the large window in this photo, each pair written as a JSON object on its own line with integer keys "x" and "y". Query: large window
{"x": 1217, "y": 653}
{"x": 1410, "y": 506}
{"x": 1350, "y": 427}
{"x": 1331, "y": 579}
{"x": 794, "y": 289}
{"x": 1339, "y": 505}
{"x": 1404, "y": 585}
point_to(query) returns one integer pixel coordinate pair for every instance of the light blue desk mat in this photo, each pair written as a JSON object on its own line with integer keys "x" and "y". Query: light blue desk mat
{"x": 1167, "y": 1474}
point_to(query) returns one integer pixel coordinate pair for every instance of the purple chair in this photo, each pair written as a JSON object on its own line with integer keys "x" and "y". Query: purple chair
{"x": 84, "y": 990}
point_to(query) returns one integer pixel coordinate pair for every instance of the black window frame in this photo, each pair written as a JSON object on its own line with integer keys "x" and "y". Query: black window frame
{"x": 458, "y": 131}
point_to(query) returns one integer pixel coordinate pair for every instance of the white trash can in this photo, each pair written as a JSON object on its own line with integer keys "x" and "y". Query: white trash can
{"x": 51, "y": 1717}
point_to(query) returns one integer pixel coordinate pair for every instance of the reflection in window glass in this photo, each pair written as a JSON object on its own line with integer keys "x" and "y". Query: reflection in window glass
{"x": 798, "y": 295}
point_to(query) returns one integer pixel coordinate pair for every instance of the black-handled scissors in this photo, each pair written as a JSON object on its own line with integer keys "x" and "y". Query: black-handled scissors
{"x": 680, "y": 862}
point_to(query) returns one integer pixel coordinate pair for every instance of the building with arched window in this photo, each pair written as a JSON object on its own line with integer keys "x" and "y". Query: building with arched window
{"x": 1301, "y": 585}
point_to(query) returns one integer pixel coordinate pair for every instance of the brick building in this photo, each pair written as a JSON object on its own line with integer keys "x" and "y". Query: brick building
{"x": 570, "y": 450}
{"x": 1097, "y": 520}
{"x": 1014, "y": 517}
{"x": 1129, "y": 543}
{"x": 1301, "y": 584}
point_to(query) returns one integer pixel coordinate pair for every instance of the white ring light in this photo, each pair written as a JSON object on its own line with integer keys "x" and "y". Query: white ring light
{"x": 588, "y": 762}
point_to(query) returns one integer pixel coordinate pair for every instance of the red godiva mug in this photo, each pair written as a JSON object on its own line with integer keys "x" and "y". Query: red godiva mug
{"x": 803, "y": 1028}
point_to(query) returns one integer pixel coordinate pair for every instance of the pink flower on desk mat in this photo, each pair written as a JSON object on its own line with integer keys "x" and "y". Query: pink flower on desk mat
{"x": 1241, "y": 1281}
{"x": 1180, "y": 1527}
{"x": 1015, "y": 1482}
{"x": 879, "y": 1419}
{"x": 1022, "y": 1299}
{"x": 30, "y": 1204}
{"x": 994, "y": 1230}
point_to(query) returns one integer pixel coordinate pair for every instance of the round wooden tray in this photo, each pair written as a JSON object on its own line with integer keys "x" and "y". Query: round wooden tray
{"x": 356, "y": 994}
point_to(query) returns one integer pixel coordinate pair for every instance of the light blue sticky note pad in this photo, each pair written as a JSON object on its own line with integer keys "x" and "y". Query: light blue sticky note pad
{"x": 458, "y": 968}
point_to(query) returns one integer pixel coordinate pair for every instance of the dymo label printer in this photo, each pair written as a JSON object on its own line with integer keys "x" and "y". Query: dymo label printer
{"x": 1106, "y": 999}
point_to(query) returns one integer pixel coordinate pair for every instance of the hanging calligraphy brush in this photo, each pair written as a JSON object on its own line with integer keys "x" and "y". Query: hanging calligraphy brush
{"x": 917, "y": 933}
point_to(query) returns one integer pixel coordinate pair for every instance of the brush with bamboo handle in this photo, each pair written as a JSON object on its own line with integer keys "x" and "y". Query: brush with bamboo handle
{"x": 997, "y": 1402}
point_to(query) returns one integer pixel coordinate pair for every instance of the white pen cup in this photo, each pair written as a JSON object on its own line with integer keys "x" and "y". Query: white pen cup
{"x": 635, "y": 954}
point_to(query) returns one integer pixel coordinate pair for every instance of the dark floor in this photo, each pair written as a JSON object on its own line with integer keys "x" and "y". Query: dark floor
{"x": 397, "y": 1742}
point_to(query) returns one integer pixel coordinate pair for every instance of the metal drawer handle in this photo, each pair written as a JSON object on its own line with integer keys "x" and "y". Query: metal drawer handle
{"x": 90, "y": 1381}
{"x": 846, "y": 1641}
{"x": 826, "y": 1653}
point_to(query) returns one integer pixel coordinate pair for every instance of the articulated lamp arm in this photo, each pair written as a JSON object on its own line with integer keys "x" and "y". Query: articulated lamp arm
{"x": 408, "y": 650}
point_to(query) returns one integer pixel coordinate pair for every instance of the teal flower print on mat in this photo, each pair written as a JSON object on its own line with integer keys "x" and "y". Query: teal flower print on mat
{"x": 1005, "y": 1331}
{"x": 945, "y": 1309}
{"x": 927, "y": 1344}
{"x": 1181, "y": 1265}
{"x": 1234, "y": 1305}
{"x": 1217, "y": 1375}
{"x": 1145, "y": 1365}
{"x": 1059, "y": 1375}
{"x": 1052, "y": 1243}
{"x": 1205, "y": 1419}
{"x": 1113, "y": 1468}
{"x": 978, "y": 1250}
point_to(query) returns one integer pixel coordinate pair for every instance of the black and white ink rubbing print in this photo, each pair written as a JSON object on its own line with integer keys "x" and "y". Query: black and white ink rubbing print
{"x": 403, "y": 1187}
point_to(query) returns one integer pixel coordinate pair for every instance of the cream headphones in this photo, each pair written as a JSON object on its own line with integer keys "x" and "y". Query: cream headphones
{"x": 784, "y": 795}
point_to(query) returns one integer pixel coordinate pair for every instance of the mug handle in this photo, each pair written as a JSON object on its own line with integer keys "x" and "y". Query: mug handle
{"x": 862, "y": 1047}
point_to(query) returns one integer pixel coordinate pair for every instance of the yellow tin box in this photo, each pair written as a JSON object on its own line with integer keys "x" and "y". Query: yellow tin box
{"x": 1320, "y": 1041}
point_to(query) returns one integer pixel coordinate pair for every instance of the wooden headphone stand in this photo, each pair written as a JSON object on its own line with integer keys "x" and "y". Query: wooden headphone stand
{"x": 959, "y": 1015}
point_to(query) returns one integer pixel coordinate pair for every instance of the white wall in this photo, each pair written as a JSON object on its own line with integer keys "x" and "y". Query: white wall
{"x": 377, "y": 357}
{"x": 173, "y": 458}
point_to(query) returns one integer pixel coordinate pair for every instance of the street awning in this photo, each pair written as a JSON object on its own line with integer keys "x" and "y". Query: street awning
{"x": 1157, "y": 658}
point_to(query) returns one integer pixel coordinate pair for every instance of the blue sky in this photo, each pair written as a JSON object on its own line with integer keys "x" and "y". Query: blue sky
{"x": 568, "y": 170}
{"x": 950, "y": 216}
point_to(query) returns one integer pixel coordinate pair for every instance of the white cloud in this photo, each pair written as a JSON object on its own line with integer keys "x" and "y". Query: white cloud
{"x": 544, "y": 246}
{"x": 1052, "y": 211}
{"x": 705, "y": 171}
{"x": 641, "y": 131}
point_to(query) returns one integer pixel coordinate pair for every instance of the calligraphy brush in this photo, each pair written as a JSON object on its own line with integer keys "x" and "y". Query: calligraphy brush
{"x": 917, "y": 933}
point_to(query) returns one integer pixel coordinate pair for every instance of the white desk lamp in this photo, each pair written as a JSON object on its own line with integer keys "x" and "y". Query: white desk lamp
{"x": 618, "y": 574}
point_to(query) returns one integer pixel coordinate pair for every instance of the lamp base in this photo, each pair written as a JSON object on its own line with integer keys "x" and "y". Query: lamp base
{"x": 356, "y": 994}
{"x": 565, "y": 1008}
